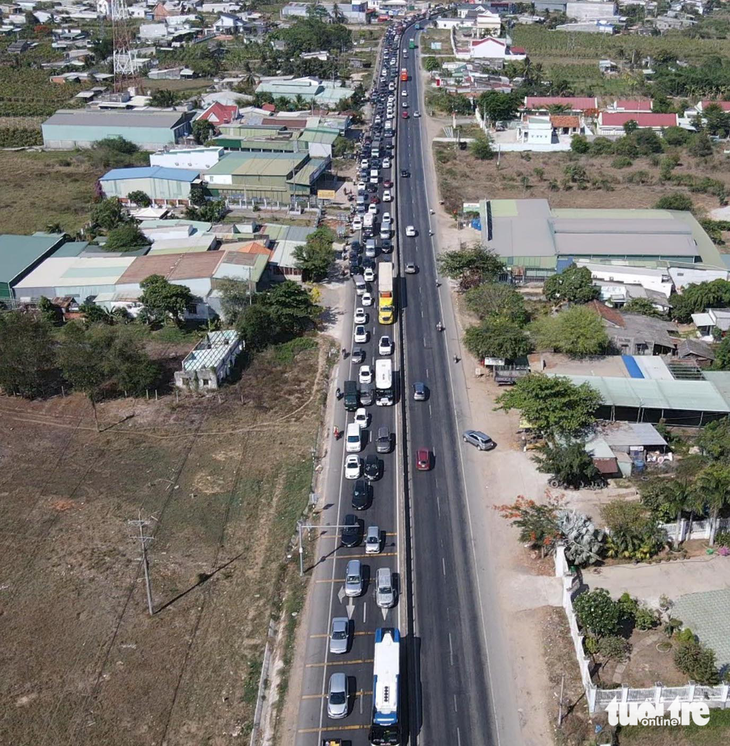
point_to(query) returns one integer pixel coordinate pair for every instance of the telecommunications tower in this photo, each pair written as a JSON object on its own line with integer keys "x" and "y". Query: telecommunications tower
{"x": 124, "y": 56}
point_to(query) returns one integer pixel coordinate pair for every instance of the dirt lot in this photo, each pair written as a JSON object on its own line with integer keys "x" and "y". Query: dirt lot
{"x": 222, "y": 481}
{"x": 515, "y": 176}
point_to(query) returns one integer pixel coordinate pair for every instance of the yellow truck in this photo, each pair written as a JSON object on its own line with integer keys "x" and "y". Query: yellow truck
{"x": 386, "y": 295}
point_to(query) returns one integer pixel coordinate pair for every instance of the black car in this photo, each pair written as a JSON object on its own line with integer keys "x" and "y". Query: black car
{"x": 358, "y": 355}
{"x": 405, "y": 174}
{"x": 351, "y": 534}
{"x": 362, "y": 495}
{"x": 368, "y": 262}
{"x": 386, "y": 246}
{"x": 373, "y": 467}
{"x": 355, "y": 247}
{"x": 371, "y": 187}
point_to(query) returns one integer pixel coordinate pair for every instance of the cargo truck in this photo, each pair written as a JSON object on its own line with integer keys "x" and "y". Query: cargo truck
{"x": 386, "y": 296}
{"x": 352, "y": 398}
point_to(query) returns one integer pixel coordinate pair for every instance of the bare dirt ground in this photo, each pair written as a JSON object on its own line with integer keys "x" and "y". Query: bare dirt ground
{"x": 463, "y": 178}
{"x": 222, "y": 481}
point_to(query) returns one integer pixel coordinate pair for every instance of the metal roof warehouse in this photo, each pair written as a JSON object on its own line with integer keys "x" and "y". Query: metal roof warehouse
{"x": 19, "y": 255}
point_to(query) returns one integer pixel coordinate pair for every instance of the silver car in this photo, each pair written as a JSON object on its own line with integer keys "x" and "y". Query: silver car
{"x": 337, "y": 696}
{"x": 353, "y": 579}
{"x": 340, "y": 635}
{"x": 372, "y": 540}
{"x": 384, "y": 591}
{"x": 479, "y": 439}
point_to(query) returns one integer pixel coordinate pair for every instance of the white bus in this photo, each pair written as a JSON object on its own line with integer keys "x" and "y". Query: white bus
{"x": 384, "y": 394}
{"x": 385, "y": 728}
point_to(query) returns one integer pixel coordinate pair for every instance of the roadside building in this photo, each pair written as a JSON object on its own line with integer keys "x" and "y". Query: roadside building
{"x": 697, "y": 351}
{"x": 635, "y": 334}
{"x": 249, "y": 178}
{"x": 618, "y": 448}
{"x": 312, "y": 90}
{"x": 164, "y": 186}
{"x": 658, "y": 280}
{"x": 611, "y": 124}
{"x": 210, "y": 362}
{"x": 192, "y": 159}
{"x": 635, "y": 106}
{"x": 684, "y": 276}
{"x": 590, "y": 10}
{"x": 535, "y": 240}
{"x": 218, "y": 113}
{"x": 68, "y": 129}
{"x": 545, "y": 105}
{"x": 20, "y": 255}
{"x": 711, "y": 322}
{"x": 279, "y": 137}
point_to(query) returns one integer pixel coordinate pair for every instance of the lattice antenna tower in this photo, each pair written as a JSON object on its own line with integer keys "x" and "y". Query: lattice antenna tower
{"x": 125, "y": 57}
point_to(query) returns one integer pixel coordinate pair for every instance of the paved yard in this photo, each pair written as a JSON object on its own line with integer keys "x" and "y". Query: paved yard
{"x": 706, "y": 614}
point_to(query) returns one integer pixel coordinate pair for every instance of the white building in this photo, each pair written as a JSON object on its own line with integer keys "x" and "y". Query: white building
{"x": 712, "y": 320}
{"x": 193, "y": 159}
{"x": 228, "y": 23}
{"x": 210, "y": 361}
{"x": 681, "y": 277}
{"x": 658, "y": 280}
{"x": 581, "y": 10}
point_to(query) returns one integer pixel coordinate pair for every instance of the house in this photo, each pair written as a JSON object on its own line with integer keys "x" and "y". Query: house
{"x": 68, "y": 129}
{"x": 487, "y": 23}
{"x": 699, "y": 352}
{"x": 228, "y": 23}
{"x": 724, "y": 105}
{"x": 611, "y": 124}
{"x": 618, "y": 294}
{"x": 656, "y": 280}
{"x": 607, "y": 67}
{"x": 19, "y": 46}
{"x": 634, "y": 334}
{"x": 635, "y": 106}
{"x": 164, "y": 186}
{"x": 210, "y": 362}
{"x": 588, "y": 27}
{"x": 618, "y": 447}
{"x": 20, "y": 255}
{"x": 496, "y": 51}
{"x": 711, "y": 322}
{"x": 193, "y": 159}
{"x": 568, "y": 104}
{"x": 218, "y": 114}
{"x": 683, "y": 276}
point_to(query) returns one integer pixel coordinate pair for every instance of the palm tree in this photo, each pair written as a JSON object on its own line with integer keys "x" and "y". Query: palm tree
{"x": 300, "y": 102}
{"x": 677, "y": 497}
{"x": 713, "y": 484}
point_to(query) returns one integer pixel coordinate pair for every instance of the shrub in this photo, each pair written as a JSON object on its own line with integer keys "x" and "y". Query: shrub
{"x": 598, "y": 613}
{"x": 645, "y": 618}
{"x": 622, "y": 161}
{"x": 674, "y": 201}
{"x": 722, "y": 538}
{"x": 697, "y": 661}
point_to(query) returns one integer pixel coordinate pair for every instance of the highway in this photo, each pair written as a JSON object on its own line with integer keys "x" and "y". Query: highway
{"x": 446, "y": 695}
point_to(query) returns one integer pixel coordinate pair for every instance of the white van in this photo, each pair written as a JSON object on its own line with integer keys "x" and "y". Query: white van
{"x": 360, "y": 284}
{"x": 353, "y": 438}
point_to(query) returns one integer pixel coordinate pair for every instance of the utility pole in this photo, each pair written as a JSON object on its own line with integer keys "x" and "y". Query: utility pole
{"x": 145, "y": 564}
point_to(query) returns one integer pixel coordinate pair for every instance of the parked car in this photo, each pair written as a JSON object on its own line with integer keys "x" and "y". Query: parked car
{"x": 351, "y": 533}
{"x": 387, "y": 196}
{"x": 372, "y": 540}
{"x": 338, "y": 696}
{"x": 479, "y": 439}
{"x": 340, "y": 633}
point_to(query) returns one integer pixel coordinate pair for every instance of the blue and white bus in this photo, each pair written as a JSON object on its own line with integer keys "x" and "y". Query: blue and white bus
{"x": 385, "y": 728}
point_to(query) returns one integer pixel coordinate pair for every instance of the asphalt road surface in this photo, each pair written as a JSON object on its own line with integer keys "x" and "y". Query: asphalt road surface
{"x": 446, "y": 693}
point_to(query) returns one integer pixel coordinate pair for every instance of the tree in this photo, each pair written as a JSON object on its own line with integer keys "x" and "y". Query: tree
{"x": 127, "y": 237}
{"x": 236, "y": 297}
{"x": 697, "y": 297}
{"x": 634, "y": 532}
{"x": 431, "y": 64}
{"x": 481, "y": 148}
{"x": 631, "y": 126}
{"x": 209, "y": 212}
{"x": 257, "y": 326}
{"x": 95, "y": 314}
{"x": 139, "y": 198}
{"x": 163, "y": 98}
{"x": 713, "y": 440}
{"x": 713, "y": 485}
{"x": 569, "y": 463}
{"x": 579, "y": 144}
{"x": 697, "y": 661}
{"x": 700, "y": 146}
{"x": 722, "y": 355}
{"x": 27, "y": 355}
{"x": 675, "y": 136}
{"x": 716, "y": 121}
{"x": 108, "y": 214}
{"x": 203, "y": 130}
{"x": 642, "y": 306}
{"x": 316, "y": 256}
{"x": 118, "y": 145}
{"x": 499, "y": 107}
{"x": 647, "y": 142}
{"x": 342, "y": 146}
{"x": 577, "y": 331}
{"x": 292, "y": 308}
{"x": 163, "y": 300}
{"x": 80, "y": 362}
{"x": 614, "y": 648}
{"x": 197, "y": 195}
{"x": 553, "y": 405}
{"x": 496, "y": 299}
{"x": 668, "y": 499}
{"x": 50, "y": 312}
{"x": 471, "y": 266}
{"x": 497, "y": 337}
{"x": 573, "y": 285}
{"x": 538, "y": 523}
{"x": 597, "y": 613}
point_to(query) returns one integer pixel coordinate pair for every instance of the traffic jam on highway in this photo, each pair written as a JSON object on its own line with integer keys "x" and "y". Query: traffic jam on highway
{"x": 353, "y": 674}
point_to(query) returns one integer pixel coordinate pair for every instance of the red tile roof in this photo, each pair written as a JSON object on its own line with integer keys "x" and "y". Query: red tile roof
{"x": 218, "y": 113}
{"x": 518, "y": 50}
{"x": 292, "y": 124}
{"x": 268, "y": 107}
{"x": 172, "y": 266}
{"x": 574, "y": 103}
{"x": 638, "y": 104}
{"x": 724, "y": 105}
{"x": 609, "y": 314}
{"x": 619, "y": 118}
{"x": 564, "y": 120}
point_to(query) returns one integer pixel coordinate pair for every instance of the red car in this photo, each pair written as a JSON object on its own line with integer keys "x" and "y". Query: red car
{"x": 423, "y": 459}
{"x": 405, "y": 115}
{"x": 375, "y": 200}
{"x": 387, "y": 183}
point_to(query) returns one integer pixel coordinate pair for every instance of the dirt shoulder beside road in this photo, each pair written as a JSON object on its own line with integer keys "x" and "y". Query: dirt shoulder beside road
{"x": 222, "y": 480}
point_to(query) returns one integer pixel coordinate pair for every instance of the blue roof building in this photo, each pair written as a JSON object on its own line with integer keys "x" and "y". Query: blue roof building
{"x": 164, "y": 186}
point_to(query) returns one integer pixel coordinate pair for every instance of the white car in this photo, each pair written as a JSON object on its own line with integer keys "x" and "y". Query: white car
{"x": 357, "y": 224}
{"x": 368, "y": 274}
{"x": 361, "y": 186}
{"x": 385, "y": 346}
{"x": 361, "y": 417}
{"x": 386, "y": 218}
{"x": 410, "y": 231}
{"x": 416, "y": 113}
{"x": 386, "y": 162}
{"x": 364, "y": 163}
{"x": 361, "y": 316}
{"x": 387, "y": 196}
{"x": 373, "y": 209}
{"x": 404, "y": 92}
{"x": 361, "y": 335}
{"x": 405, "y": 104}
{"x": 365, "y": 374}
{"x": 353, "y": 467}
{"x": 367, "y": 299}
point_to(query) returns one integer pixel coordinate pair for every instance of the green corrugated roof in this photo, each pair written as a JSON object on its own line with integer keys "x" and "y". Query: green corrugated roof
{"x": 70, "y": 248}
{"x": 20, "y": 253}
{"x": 242, "y": 164}
{"x": 304, "y": 175}
{"x": 319, "y": 135}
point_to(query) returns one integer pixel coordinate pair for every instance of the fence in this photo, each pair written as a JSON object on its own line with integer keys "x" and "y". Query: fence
{"x": 599, "y": 699}
{"x": 698, "y": 529}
